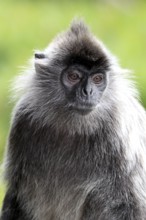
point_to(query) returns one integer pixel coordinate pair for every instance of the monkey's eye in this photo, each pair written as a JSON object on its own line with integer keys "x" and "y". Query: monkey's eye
{"x": 97, "y": 78}
{"x": 73, "y": 77}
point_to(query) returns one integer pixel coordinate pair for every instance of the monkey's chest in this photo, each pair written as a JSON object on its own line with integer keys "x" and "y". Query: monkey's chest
{"x": 68, "y": 171}
{"x": 70, "y": 160}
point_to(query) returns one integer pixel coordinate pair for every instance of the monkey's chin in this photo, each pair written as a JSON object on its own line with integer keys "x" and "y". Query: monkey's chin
{"x": 84, "y": 111}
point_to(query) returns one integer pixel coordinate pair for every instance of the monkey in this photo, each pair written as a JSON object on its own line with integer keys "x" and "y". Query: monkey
{"x": 77, "y": 143}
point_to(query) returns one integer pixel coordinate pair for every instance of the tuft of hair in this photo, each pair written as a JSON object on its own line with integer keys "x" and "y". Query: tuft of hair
{"x": 79, "y": 27}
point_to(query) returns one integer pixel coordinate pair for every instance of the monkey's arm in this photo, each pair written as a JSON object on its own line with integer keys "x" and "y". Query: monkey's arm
{"x": 13, "y": 204}
{"x": 104, "y": 208}
{"x": 11, "y": 209}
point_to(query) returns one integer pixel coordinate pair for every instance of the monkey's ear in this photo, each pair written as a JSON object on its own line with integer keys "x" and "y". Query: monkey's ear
{"x": 39, "y": 55}
{"x": 40, "y": 61}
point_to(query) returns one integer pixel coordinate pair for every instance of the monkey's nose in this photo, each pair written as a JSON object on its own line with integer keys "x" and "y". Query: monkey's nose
{"x": 87, "y": 91}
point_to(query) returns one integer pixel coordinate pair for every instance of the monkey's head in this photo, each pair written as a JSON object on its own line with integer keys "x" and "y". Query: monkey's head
{"x": 72, "y": 73}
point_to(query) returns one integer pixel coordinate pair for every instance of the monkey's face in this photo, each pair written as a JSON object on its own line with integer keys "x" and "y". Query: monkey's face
{"x": 72, "y": 72}
{"x": 83, "y": 87}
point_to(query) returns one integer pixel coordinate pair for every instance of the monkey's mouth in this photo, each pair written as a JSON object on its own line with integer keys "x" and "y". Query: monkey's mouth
{"x": 82, "y": 109}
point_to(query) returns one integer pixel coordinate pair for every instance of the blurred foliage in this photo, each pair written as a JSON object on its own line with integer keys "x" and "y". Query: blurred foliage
{"x": 31, "y": 24}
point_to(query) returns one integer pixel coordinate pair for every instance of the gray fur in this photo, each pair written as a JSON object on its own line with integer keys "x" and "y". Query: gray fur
{"x": 61, "y": 165}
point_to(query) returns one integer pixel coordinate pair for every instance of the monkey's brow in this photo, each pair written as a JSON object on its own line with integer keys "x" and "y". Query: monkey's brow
{"x": 89, "y": 62}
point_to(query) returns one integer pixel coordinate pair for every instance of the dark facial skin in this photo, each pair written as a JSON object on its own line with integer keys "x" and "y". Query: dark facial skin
{"x": 83, "y": 87}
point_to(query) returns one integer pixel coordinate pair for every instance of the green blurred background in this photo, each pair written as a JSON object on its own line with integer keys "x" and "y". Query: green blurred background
{"x": 26, "y": 25}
